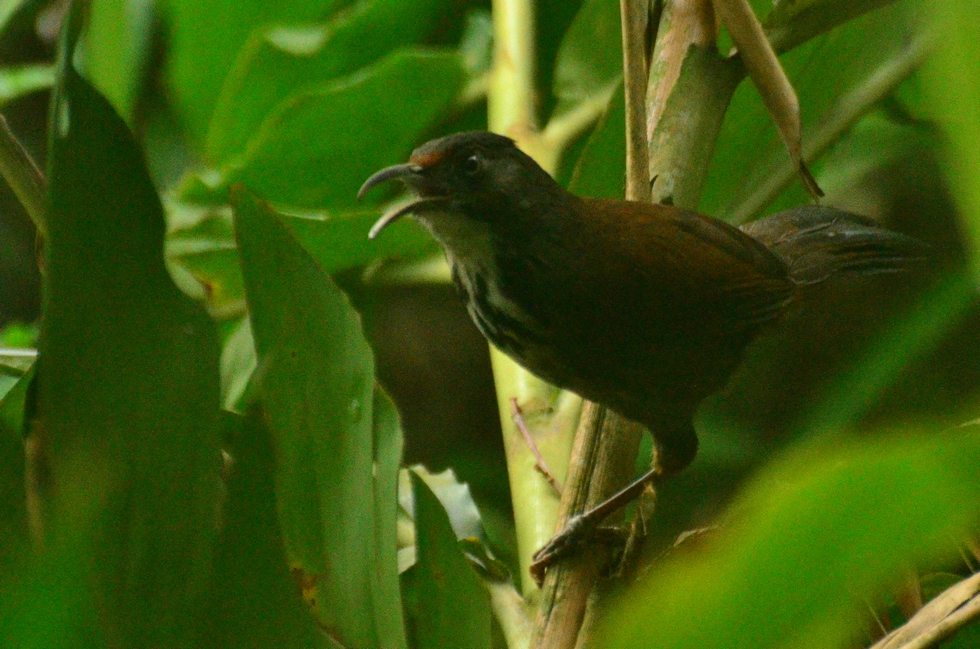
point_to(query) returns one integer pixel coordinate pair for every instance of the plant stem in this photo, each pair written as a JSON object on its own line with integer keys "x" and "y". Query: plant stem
{"x": 24, "y": 176}
{"x": 605, "y": 451}
{"x": 549, "y": 413}
{"x": 634, "y": 17}
{"x": 510, "y": 100}
{"x": 606, "y": 445}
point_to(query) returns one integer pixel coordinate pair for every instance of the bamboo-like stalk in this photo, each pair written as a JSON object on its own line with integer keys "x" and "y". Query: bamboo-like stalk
{"x": 550, "y": 414}
{"x": 606, "y": 445}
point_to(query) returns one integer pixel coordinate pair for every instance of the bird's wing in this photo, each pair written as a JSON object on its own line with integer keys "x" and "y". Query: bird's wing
{"x": 713, "y": 271}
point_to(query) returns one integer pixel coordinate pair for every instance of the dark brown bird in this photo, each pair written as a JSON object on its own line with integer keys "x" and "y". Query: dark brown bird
{"x": 644, "y": 308}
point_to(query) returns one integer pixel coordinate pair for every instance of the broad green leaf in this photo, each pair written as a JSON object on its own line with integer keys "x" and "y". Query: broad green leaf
{"x": 337, "y": 241}
{"x": 387, "y": 458}
{"x": 128, "y": 393}
{"x": 205, "y": 39}
{"x": 454, "y": 606}
{"x": 255, "y": 602}
{"x": 822, "y": 71}
{"x": 317, "y": 149}
{"x": 50, "y": 598}
{"x": 551, "y": 24}
{"x": 117, "y": 45}
{"x": 14, "y": 363}
{"x": 791, "y": 22}
{"x": 601, "y": 168}
{"x": 862, "y": 382}
{"x": 13, "y": 499}
{"x": 590, "y": 58}
{"x": 14, "y": 384}
{"x": 952, "y": 81}
{"x": 8, "y": 10}
{"x": 279, "y": 61}
{"x": 810, "y": 539}
{"x": 316, "y": 382}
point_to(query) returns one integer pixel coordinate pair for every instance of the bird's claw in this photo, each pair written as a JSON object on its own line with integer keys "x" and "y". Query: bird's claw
{"x": 576, "y": 531}
{"x": 579, "y": 530}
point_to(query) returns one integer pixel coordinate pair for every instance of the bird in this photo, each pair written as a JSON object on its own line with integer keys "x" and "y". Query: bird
{"x": 645, "y": 308}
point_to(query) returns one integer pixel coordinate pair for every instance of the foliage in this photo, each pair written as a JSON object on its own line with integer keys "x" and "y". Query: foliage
{"x": 265, "y": 120}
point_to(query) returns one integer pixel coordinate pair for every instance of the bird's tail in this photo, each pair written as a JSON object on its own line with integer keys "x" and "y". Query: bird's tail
{"x": 817, "y": 243}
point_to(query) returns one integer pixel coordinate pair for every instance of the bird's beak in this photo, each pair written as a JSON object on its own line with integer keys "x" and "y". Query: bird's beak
{"x": 389, "y": 173}
{"x": 405, "y": 172}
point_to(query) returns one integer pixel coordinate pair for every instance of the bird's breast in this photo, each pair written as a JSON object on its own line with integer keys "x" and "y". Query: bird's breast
{"x": 502, "y": 318}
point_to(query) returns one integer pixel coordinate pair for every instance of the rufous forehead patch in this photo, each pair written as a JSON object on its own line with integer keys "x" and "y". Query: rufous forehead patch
{"x": 428, "y": 158}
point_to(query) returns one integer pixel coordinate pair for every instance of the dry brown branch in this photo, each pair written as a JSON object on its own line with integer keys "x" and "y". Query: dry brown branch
{"x": 938, "y": 620}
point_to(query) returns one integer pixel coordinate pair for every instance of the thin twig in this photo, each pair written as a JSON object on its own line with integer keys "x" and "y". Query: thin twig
{"x": 539, "y": 462}
{"x": 562, "y": 129}
{"x": 938, "y": 620}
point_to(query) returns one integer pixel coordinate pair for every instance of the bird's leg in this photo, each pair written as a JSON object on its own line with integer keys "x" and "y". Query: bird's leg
{"x": 583, "y": 527}
{"x": 539, "y": 463}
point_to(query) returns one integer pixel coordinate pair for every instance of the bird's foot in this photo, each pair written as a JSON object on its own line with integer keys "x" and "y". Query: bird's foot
{"x": 584, "y": 527}
{"x": 580, "y": 530}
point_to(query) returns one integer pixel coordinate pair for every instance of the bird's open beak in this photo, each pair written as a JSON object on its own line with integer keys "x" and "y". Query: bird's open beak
{"x": 389, "y": 173}
{"x": 403, "y": 172}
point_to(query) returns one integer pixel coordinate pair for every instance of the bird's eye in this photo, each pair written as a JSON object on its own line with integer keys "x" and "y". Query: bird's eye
{"x": 472, "y": 165}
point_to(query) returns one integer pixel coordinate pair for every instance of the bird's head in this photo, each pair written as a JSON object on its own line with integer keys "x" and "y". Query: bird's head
{"x": 462, "y": 179}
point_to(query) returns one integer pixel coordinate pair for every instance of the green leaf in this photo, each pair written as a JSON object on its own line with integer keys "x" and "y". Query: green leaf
{"x": 387, "y": 458}
{"x": 128, "y": 389}
{"x": 13, "y": 498}
{"x": 214, "y": 32}
{"x": 316, "y": 389}
{"x": 813, "y": 536}
{"x": 9, "y": 11}
{"x": 601, "y": 168}
{"x": 590, "y": 58}
{"x": 337, "y": 241}
{"x": 792, "y": 22}
{"x": 317, "y": 148}
{"x": 453, "y": 495}
{"x": 454, "y": 606}
{"x": 117, "y": 45}
{"x": 13, "y": 388}
{"x": 237, "y": 365}
{"x": 749, "y": 151}
{"x": 279, "y": 61}
{"x": 254, "y": 600}
{"x": 952, "y": 81}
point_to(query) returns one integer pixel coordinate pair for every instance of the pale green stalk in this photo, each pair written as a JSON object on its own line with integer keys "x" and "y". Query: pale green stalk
{"x": 549, "y": 413}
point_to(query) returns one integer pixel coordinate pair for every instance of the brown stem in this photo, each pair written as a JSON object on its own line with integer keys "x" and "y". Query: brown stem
{"x": 634, "y": 17}
{"x": 602, "y": 460}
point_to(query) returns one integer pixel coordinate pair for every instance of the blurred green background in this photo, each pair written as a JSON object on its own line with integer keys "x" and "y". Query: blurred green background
{"x": 299, "y": 101}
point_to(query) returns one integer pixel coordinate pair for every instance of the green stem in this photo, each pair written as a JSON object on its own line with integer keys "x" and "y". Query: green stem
{"x": 791, "y": 27}
{"x": 512, "y": 613}
{"x": 510, "y": 101}
{"x": 24, "y": 176}
{"x": 549, "y": 413}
